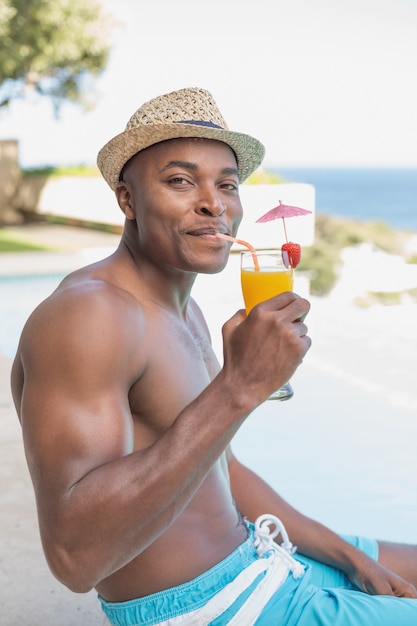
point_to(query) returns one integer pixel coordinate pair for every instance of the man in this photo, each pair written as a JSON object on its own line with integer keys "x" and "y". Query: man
{"x": 127, "y": 417}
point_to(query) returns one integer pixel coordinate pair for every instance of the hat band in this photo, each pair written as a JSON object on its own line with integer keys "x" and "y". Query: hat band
{"x": 200, "y": 123}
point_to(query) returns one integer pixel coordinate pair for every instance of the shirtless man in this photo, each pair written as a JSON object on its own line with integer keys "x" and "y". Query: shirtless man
{"x": 127, "y": 417}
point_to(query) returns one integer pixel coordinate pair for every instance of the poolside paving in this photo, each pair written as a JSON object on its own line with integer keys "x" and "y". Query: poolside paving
{"x": 70, "y": 247}
{"x": 29, "y": 594}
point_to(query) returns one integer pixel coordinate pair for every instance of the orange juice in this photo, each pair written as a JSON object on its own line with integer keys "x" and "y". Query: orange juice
{"x": 261, "y": 285}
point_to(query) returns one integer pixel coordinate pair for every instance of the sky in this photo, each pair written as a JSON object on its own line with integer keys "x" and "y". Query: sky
{"x": 322, "y": 82}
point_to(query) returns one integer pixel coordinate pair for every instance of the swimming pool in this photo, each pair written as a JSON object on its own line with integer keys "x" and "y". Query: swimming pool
{"x": 19, "y": 295}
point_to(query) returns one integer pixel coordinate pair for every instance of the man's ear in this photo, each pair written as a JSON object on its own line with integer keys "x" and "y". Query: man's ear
{"x": 125, "y": 200}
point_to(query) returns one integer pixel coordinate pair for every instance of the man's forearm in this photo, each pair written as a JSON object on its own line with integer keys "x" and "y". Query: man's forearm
{"x": 255, "y": 497}
{"x": 130, "y": 501}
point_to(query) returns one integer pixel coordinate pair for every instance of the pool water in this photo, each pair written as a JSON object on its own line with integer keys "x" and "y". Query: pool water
{"x": 19, "y": 296}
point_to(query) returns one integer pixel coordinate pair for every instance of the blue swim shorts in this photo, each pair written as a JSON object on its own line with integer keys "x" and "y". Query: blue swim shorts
{"x": 321, "y": 596}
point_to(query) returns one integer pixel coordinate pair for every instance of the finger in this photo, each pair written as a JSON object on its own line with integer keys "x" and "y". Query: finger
{"x": 294, "y": 306}
{"x": 280, "y": 301}
{"x": 302, "y": 328}
{"x": 405, "y": 590}
{"x": 237, "y": 318}
{"x": 303, "y": 316}
{"x": 380, "y": 588}
{"x": 234, "y": 321}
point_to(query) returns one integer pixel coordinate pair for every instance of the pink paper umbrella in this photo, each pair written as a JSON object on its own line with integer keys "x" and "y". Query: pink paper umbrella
{"x": 282, "y": 211}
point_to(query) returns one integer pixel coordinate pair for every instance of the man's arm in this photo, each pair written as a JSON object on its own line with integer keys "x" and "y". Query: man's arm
{"x": 254, "y": 497}
{"x": 100, "y": 501}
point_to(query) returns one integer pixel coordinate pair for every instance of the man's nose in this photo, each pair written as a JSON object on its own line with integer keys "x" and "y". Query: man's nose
{"x": 211, "y": 205}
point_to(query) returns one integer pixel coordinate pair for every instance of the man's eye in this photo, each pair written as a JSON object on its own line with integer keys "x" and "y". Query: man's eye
{"x": 229, "y": 186}
{"x": 178, "y": 180}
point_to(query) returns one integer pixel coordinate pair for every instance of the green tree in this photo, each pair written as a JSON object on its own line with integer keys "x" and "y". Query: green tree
{"x": 52, "y": 47}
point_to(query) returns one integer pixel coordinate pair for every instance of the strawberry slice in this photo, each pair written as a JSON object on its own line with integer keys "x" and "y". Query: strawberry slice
{"x": 293, "y": 251}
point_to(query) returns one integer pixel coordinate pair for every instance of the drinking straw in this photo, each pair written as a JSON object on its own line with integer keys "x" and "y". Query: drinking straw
{"x": 242, "y": 243}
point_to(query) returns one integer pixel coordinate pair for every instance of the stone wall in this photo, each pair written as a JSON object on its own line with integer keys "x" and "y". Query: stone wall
{"x": 9, "y": 179}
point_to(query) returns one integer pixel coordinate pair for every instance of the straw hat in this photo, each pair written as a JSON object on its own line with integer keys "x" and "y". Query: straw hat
{"x": 188, "y": 112}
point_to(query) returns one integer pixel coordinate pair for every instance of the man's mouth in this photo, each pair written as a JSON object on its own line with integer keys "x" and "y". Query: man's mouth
{"x": 199, "y": 232}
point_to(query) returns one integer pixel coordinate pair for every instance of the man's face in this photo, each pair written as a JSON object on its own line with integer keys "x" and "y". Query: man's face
{"x": 182, "y": 192}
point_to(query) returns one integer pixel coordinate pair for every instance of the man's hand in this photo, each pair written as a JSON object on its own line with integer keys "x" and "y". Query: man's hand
{"x": 375, "y": 579}
{"x": 263, "y": 350}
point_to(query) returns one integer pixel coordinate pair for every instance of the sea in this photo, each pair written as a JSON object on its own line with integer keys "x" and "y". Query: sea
{"x": 366, "y": 193}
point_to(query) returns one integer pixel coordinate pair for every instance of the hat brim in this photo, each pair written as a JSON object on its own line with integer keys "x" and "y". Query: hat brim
{"x": 117, "y": 152}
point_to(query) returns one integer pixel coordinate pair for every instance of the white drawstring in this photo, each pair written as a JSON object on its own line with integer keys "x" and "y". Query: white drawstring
{"x": 264, "y": 542}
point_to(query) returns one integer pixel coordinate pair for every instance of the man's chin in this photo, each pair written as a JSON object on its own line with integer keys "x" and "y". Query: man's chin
{"x": 218, "y": 265}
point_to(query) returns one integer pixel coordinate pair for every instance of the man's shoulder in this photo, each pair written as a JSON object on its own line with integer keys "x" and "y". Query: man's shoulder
{"x": 84, "y": 287}
{"x": 85, "y": 308}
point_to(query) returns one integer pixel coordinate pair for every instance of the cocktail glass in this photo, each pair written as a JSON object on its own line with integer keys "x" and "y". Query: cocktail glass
{"x": 264, "y": 274}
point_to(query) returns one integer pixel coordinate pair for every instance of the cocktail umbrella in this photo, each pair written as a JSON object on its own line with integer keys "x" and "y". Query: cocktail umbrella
{"x": 282, "y": 211}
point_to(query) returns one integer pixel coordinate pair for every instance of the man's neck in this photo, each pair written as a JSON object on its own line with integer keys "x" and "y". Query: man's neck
{"x": 169, "y": 288}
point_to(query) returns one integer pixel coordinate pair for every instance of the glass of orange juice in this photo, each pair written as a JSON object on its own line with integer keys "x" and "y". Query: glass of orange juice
{"x": 264, "y": 275}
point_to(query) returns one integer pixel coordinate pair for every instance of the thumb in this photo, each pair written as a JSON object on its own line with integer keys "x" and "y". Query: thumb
{"x": 231, "y": 324}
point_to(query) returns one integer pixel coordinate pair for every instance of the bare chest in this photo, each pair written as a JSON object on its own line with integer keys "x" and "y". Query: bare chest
{"x": 181, "y": 364}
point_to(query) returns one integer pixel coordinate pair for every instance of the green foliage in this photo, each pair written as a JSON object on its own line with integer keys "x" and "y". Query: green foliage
{"x": 51, "y": 47}
{"x": 387, "y": 298}
{"x": 70, "y": 170}
{"x": 321, "y": 261}
{"x": 11, "y": 242}
{"x": 263, "y": 177}
{"x": 343, "y": 232}
{"x": 332, "y": 234}
{"x": 48, "y": 170}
